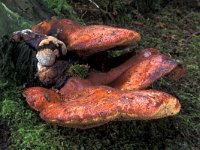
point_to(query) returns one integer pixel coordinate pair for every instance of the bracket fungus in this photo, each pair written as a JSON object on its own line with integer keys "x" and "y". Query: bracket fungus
{"x": 118, "y": 94}
{"x": 87, "y": 40}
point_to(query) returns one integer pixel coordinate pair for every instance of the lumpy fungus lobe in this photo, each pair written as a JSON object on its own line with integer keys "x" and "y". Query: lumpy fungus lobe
{"x": 117, "y": 94}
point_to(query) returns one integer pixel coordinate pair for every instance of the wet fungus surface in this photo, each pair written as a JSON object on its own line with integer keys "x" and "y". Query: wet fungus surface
{"x": 103, "y": 96}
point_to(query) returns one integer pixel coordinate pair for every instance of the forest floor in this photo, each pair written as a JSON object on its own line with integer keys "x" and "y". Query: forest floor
{"x": 175, "y": 32}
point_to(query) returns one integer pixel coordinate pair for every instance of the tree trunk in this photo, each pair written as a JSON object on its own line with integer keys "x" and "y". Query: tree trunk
{"x": 21, "y": 14}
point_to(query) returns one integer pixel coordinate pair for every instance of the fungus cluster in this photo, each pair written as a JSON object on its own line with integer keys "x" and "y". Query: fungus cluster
{"x": 103, "y": 96}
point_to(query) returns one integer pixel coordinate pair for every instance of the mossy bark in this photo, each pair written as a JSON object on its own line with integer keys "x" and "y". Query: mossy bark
{"x": 33, "y": 10}
{"x": 22, "y": 14}
{"x": 17, "y": 15}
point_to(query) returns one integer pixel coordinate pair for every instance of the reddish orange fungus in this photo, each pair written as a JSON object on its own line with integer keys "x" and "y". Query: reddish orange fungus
{"x": 118, "y": 94}
{"x": 87, "y": 40}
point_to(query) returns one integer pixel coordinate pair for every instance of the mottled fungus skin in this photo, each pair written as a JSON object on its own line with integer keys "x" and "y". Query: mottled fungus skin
{"x": 53, "y": 38}
{"x": 38, "y": 97}
{"x": 86, "y": 103}
{"x": 53, "y": 27}
{"x": 102, "y": 96}
{"x": 97, "y": 105}
{"x": 55, "y": 74}
{"x": 87, "y": 40}
{"x": 147, "y": 70}
{"x": 108, "y": 78}
{"x": 28, "y": 36}
{"x": 84, "y": 40}
{"x": 140, "y": 71}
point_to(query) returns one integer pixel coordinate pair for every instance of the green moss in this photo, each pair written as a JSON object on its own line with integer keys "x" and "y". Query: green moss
{"x": 63, "y": 9}
{"x": 11, "y": 21}
{"x": 115, "y": 53}
{"x": 17, "y": 15}
{"x": 32, "y": 10}
{"x": 79, "y": 70}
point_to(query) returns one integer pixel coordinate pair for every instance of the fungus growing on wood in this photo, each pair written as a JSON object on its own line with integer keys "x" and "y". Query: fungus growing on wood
{"x": 101, "y": 97}
{"x": 97, "y": 105}
{"x": 87, "y": 40}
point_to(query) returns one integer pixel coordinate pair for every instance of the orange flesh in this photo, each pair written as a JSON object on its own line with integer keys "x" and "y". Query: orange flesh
{"x": 85, "y": 103}
{"x": 103, "y": 97}
{"x": 87, "y": 40}
{"x": 96, "y": 105}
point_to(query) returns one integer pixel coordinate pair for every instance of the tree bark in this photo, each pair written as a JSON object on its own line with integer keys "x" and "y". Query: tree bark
{"x": 21, "y": 14}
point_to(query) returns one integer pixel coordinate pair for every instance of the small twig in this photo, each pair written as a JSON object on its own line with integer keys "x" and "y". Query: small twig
{"x": 83, "y": 14}
{"x": 196, "y": 33}
{"x": 94, "y": 3}
{"x": 188, "y": 39}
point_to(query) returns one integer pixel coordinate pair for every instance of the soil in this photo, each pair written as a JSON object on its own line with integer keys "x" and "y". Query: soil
{"x": 4, "y": 136}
